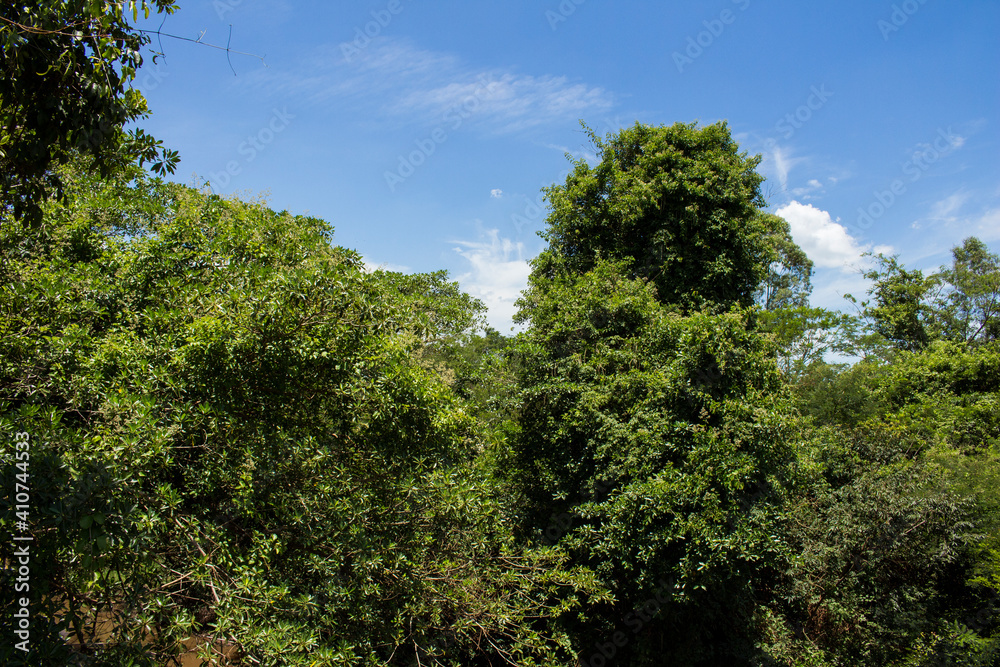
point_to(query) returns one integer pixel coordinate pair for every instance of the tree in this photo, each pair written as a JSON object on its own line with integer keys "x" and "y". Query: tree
{"x": 438, "y": 319}
{"x": 960, "y": 303}
{"x": 649, "y": 445}
{"x": 803, "y": 335}
{"x": 840, "y": 394}
{"x": 66, "y": 69}
{"x": 788, "y": 282}
{"x": 901, "y": 313}
{"x": 680, "y": 203}
{"x": 970, "y": 310}
{"x": 651, "y": 423}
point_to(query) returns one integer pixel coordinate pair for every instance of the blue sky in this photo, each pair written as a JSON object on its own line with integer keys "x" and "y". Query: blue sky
{"x": 424, "y": 131}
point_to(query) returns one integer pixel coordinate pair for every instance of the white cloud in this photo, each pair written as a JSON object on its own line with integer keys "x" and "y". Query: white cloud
{"x": 825, "y": 241}
{"x": 496, "y": 193}
{"x": 499, "y": 271}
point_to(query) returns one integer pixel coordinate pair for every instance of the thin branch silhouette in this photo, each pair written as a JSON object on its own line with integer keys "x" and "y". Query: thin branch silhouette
{"x": 159, "y": 33}
{"x": 228, "y": 42}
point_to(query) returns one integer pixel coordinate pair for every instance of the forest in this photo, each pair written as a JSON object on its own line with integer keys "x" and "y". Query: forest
{"x": 240, "y": 446}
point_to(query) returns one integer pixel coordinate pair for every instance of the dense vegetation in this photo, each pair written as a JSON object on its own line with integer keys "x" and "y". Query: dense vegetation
{"x": 245, "y": 442}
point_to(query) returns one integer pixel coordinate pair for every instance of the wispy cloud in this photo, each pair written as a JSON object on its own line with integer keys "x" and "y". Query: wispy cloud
{"x": 946, "y": 209}
{"x": 506, "y": 101}
{"x": 780, "y": 161}
{"x": 399, "y": 82}
{"x": 808, "y": 190}
{"x": 963, "y": 213}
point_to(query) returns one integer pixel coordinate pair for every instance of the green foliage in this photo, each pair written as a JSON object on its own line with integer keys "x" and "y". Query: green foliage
{"x": 803, "y": 335}
{"x": 970, "y": 310}
{"x": 956, "y": 387}
{"x": 901, "y": 314}
{"x": 680, "y": 202}
{"x": 873, "y": 561}
{"x": 930, "y": 417}
{"x": 441, "y": 320}
{"x": 840, "y": 394}
{"x": 66, "y": 69}
{"x": 234, "y": 445}
{"x": 243, "y": 440}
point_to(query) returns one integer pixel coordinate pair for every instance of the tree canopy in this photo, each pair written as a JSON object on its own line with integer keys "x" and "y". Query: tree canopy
{"x": 681, "y": 203}
{"x": 238, "y": 439}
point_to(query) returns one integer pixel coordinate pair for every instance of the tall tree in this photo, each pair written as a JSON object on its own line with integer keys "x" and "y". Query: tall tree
{"x": 680, "y": 203}
{"x": 651, "y": 427}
